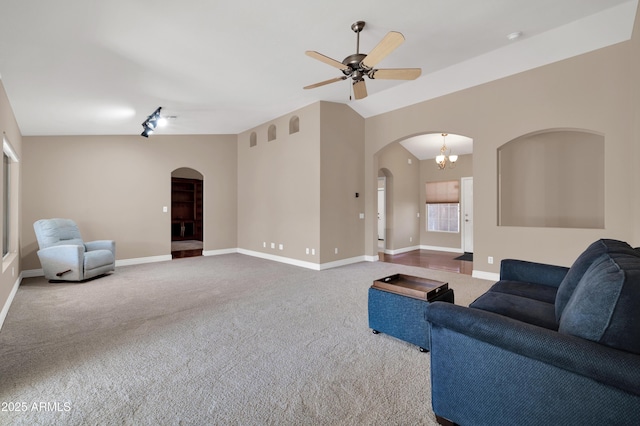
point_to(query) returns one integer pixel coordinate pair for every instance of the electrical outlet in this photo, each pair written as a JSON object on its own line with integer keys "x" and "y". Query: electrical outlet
{"x": 313, "y": 252}
{"x": 280, "y": 247}
{"x": 490, "y": 260}
{"x": 307, "y": 250}
{"x": 336, "y": 250}
{"x": 273, "y": 245}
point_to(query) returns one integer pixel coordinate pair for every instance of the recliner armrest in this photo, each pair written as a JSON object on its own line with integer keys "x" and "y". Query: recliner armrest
{"x": 532, "y": 272}
{"x": 101, "y": 245}
{"x": 64, "y": 258}
{"x": 584, "y": 357}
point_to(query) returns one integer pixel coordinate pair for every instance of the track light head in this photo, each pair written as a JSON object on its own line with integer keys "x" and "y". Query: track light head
{"x": 150, "y": 124}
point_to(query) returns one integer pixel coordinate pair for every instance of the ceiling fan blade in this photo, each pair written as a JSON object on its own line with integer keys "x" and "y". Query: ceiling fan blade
{"x": 327, "y": 60}
{"x": 359, "y": 89}
{"x": 396, "y": 74}
{"x": 387, "y": 45}
{"x": 322, "y": 83}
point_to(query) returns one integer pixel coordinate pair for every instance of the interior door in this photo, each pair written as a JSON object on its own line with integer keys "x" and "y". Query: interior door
{"x": 467, "y": 214}
{"x": 382, "y": 221}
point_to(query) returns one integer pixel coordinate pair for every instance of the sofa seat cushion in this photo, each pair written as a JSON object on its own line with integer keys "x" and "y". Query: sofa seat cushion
{"x": 582, "y": 263}
{"x": 97, "y": 258}
{"x": 521, "y": 308}
{"x": 605, "y": 306}
{"x": 539, "y": 292}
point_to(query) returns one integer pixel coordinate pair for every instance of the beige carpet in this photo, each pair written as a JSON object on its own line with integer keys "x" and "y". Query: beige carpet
{"x": 225, "y": 340}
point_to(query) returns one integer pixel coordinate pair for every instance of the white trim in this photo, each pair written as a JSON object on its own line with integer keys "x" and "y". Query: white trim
{"x": 375, "y": 258}
{"x": 342, "y": 262}
{"x": 7, "y": 148}
{"x": 281, "y": 259}
{"x": 7, "y": 304}
{"x": 402, "y": 250}
{"x": 491, "y": 276}
{"x": 447, "y": 249}
{"x": 32, "y": 273}
{"x": 219, "y": 252}
{"x": 140, "y": 260}
{"x": 303, "y": 263}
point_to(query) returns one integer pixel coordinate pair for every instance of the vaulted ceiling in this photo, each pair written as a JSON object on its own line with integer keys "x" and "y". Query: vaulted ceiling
{"x": 87, "y": 67}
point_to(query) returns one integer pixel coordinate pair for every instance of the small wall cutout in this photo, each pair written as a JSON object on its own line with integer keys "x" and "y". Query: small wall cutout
{"x": 272, "y": 133}
{"x": 294, "y": 125}
{"x": 253, "y": 140}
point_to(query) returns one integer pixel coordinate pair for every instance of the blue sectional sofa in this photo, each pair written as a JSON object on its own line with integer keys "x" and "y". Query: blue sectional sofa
{"x": 545, "y": 345}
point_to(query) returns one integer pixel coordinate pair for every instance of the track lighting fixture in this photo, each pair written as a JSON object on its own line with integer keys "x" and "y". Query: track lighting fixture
{"x": 150, "y": 124}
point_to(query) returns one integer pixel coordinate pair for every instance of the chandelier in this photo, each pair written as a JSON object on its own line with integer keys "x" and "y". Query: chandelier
{"x": 445, "y": 155}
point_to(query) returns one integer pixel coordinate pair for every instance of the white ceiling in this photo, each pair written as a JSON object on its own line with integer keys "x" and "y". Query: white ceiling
{"x": 426, "y": 147}
{"x": 101, "y": 67}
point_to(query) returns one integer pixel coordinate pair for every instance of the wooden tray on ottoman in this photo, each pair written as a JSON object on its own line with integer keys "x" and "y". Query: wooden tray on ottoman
{"x": 407, "y": 285}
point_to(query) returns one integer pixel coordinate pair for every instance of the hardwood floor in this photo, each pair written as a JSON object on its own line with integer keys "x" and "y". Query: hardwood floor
{"x": 187, "y": 248}
{"x": 430, "y": 259}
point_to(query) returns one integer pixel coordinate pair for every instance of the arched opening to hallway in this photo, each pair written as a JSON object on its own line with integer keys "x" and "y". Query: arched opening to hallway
{"x": 410, "y": 234}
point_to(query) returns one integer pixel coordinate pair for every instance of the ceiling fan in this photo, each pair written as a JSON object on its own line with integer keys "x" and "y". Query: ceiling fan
{"x": 359, "y": 65}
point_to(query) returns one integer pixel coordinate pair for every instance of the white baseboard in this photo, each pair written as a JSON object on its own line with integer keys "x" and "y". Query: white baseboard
{"x": 219, "y": 252}
{"x": 342, "y": 262}
{"x": 375, "y": 258}
{"x": 281, "y": 259}
{"x": 30, "y": 273}
{"x": 302, "y": 263}
{"x": 7, "y": 304}
{"x": 141, "y": 260}
{"x": 401, "y": 250}
{"x": 491, "y": 276}
{"x": 447, "y": 249}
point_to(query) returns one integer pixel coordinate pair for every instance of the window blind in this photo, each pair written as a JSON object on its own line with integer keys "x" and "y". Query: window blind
{"x": 443, "y": 192}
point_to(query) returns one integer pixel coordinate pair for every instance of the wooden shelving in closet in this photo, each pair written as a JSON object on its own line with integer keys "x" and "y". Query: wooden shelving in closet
{"x": 186, "y": 209}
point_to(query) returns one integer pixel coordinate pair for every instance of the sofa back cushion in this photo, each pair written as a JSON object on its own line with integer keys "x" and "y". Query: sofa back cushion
{"x": 605, "y": 306}
{"x": 580, "y": 266}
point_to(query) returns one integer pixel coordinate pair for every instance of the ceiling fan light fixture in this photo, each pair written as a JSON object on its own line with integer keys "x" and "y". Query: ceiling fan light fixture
{"x": 443, "y": 159}
{"x": 359, "y": 65}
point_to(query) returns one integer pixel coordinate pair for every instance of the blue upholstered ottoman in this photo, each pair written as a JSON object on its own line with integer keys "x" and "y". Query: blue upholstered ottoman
{"x": 398, "y": 305}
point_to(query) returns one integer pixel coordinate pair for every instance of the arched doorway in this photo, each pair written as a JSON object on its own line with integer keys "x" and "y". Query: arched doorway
{"x": 187, "y": 212}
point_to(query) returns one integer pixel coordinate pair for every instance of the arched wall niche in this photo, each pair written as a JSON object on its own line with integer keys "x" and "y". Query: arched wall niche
{"x": 294, "y": 125}
{"x": 552, "y": 178}
{"x": 271, "y": 134}
{"x": 253, "y": 139}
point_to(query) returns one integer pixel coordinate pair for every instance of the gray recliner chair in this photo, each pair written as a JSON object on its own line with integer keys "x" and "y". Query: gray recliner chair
{"x": 65, "y": 257}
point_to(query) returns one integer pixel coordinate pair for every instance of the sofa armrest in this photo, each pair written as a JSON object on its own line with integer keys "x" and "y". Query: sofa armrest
{"x": 532, "y": 272}
{"x": 101, "y": 245}
{"x": 583, "y": 357}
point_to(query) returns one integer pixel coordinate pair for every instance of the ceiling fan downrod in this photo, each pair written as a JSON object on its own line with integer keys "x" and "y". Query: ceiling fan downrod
{"x": 357, "y": 27}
